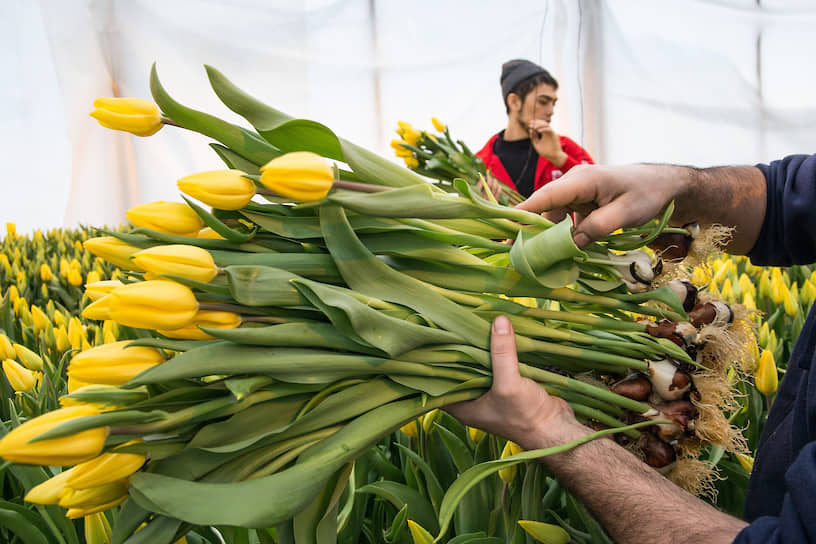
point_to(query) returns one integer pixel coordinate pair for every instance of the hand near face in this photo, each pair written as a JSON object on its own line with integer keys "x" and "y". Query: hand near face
{"x": 546, "y": 142}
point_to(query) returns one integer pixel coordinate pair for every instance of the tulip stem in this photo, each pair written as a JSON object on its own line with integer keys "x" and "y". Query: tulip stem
{"x": 168, "y": 121}
{"x": 360, "y": 187}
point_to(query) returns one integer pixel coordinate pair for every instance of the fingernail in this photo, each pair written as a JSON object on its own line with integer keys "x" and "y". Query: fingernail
{"x": 580, "y": 239}
{"x": 501, "y": 325}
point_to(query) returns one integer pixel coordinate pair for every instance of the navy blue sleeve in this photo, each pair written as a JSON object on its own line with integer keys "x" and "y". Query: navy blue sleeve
{"x": 788, "y": 234}
{"x": 797, "y": 519}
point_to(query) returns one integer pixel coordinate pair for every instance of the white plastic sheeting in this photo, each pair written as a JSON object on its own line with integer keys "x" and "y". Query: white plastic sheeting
{"x": 643, "y": 80}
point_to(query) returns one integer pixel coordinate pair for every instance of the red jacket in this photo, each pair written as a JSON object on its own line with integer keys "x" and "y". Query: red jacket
{"x": 545, "y": 170}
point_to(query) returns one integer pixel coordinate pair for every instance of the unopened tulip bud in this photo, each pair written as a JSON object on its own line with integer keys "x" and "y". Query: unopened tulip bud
{"x": 41, "y": 321}
{"x": 105, "y": 469}
{"x": 135, "y": 115}
{"x": 476, "y": 435}
{"x": 98, "y": 311}
{"x": 99, "y": 289}
{"x": 19, "y": 377}
{"x": 167, "y": 217}
{"x": 508, "y": 474}
{"x": 30, "y": 360}
{"x": 411, "y": 162}
{"x": 75, "y": 277}
{"x": 746, "y": 462}
{"x": 13, "y": 293}
{"x": 204, "y": 318}
{"x": 93, "y": 496}
{"x": 429, "y": 419}
{"x": 221, "y": 189}
{"x": 182, "y": 260}
{"x": 155, "y": 304}
{"x": 545, "y": 532}
{"x": 209, "y": 234}
{"x": 45, "y": 272}
{"x": 50, "y": 490}
{"x": 113, "y": 250}
{"x": 113, "y": 364}
{"x": 97, "y": 529}
{"x": 302, "y": 176}
{"x": 767, "y": 376}
{"x": 410, "y": 429}
{"x": 17, "y": 447}
{"x": 61, "y": 338}
{"x": 438, "y": 125}
{"x": 6, "y": 348}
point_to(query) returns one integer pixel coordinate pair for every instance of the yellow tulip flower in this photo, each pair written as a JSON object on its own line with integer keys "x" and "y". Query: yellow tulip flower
{"x": 68, "y": 450}
{"x": 113, "y": 364}
{"x": 6, "y": 348}
{"x": 411, "y": 162}
{"x": 438, "y": 125}
{"x": 746, "y": 461}
{"x": 135, "y": 115}
{"x": 61, "y": 336}
{"x": 13, "y": 293}
{"x": 50, "y": 490}
{"x": 221, "y": 189}
{"x": 190, "y": 262}
{"x": 508, "y": 474}
{"x": 98, "y": 311}
{"x": 545, "y": 532}
{"x": 45, "y": 272}
{"x": 113, "y": 250}
{"x": 410, "y": 429}
{"x": 75, "y": 277}
{"x": 476, "y": 435}
{"x": 105, "y": 469}
{"x": 21, "y": 379}
{"x": 204, "y": 318}
{"x": 302, "y": 176}
{"x": 154, "y": 304}
{"x": 167, "y": 217}
{"x": 93, "y": 496}
{"x": 30, "y": 360}
{"x": 99, "y": 289}
{"x": 767, "y": 376}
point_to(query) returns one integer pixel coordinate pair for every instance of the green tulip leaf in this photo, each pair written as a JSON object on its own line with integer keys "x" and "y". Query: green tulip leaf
{"x": 220, "y": 228}
{"x": 234, "y": 161}
{"x": 420, "y": 509}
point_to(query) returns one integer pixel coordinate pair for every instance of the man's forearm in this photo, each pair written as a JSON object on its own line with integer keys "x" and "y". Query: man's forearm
{"x": 733, "y": 196}
{"x": 629, "y": 498}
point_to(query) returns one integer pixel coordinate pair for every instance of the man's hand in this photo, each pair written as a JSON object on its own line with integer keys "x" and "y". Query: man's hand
{"x": 606, "y": 198}
{"x": 546, "y": 142}
{"x": 517, "y": 408}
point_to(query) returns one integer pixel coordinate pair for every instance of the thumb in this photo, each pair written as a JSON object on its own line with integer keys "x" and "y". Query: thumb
{"x": 503, "y": 354}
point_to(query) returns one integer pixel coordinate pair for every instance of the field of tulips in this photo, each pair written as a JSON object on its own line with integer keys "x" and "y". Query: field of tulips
{"x": 271, "y": 367}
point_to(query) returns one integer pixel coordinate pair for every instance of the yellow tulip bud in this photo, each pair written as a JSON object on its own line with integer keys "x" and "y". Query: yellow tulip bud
{"x": 429, "y": 419}
{"x": 11, "y": 230}
{"x": 76, "y": 513}
{"x": 97, "y": 529}
{"x": 19, "y": 377}
{"x": 64, "y": 267}
{"x": 727, "y": 291}
{"x": 476, "y": 435}
{"x": 222, "y": 189}
{"x": 204, "y": 318}
{"x": 545, "y": 532}
{"x": 766, "y": 378}
{"x": 75, "y": 332}
{"x": 438, "y": 125}
{"x": 113, "y": 250}
{"x": 41, "y": 321}
{"x": 98, "y": 311}
{"x": 113, "y": 364}
{"x": 61, "y": 336}
{"x": 411, "y": 162}
{"x": 99, "y": 289}
{"x": 210, "y": 234}
{"x": 59, "y": 318}
{"x": 419, "y": 535}
{"x": 68, "y": 450}
{"x": 93, "y": 496}
{"x": 508, "y": 474}
{"x": 135, "y": 115}
{"x": 75, "y": 277}
{"x": 302, "y": 176}
{"x": 110, "y": 331}
{"x": 748, "y": 301}
{"x": 105, "y": 469}
{"x": 410, "y": 429}
{"x": 190, "y": 262}
{"x": 403, "y": 153}
{"x": 13, "y": 293}
{"x": 50, "y": 490}
{"x": 746, "y": 285}
{"x": 790, "y": 301}
{"x": 45, "y": 272}
{"x": 6, "y": 348}
{"x": 746, "y": 461}
{"x": 93, "y": 277}
{"x": 30, "y": 360}
{"x": 154, "y": 304}
{"x": 411, "y": 135}
{"x": 168, "y": 217}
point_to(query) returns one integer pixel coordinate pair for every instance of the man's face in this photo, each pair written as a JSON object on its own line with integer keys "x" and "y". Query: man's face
{"x": 538, "y": 104}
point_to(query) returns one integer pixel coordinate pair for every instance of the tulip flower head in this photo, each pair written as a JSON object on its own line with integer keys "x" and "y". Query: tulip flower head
{"x": 167, "y": 217}
{"x": 17, "y": 447}
{"x": 190, "y": 262}
{"x": 50, "y": 490}
{"x": 135, "y": 115}
{"x": 154, "y": 304}
{"x": 105, "y": 469}
{"x": 767, "y": 376}
{"x": 221, "y": 189}
{"x": 99, "y": 289}
{"x": 112, "y": 250}
{"x": 97, "y": 529}
{"x": 204, "y": 318}
{"x": 438, "y": 125}
{"x": 21, "y": 379}
{"x": 113, "y": 364}
{"x": 302, "y": 176}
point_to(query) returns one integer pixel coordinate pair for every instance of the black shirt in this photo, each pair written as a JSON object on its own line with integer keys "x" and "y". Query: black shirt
{"x": 520, "y": 160}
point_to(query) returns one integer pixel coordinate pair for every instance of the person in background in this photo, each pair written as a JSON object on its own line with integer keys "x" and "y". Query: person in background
{"x": 771, "y": 208}
{"x": 528, "y": 154}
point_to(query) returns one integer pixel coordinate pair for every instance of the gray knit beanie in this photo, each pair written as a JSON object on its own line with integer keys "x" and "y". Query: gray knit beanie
{"x": 515, "y": 71}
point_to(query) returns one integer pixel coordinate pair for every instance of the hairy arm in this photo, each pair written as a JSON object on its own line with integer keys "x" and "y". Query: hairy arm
{"x": 633, "y": 501}
{"x": 605, "y": 198}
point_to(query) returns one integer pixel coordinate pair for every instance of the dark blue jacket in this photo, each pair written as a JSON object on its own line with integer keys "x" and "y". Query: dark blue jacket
{"x": 781, "y": 499}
